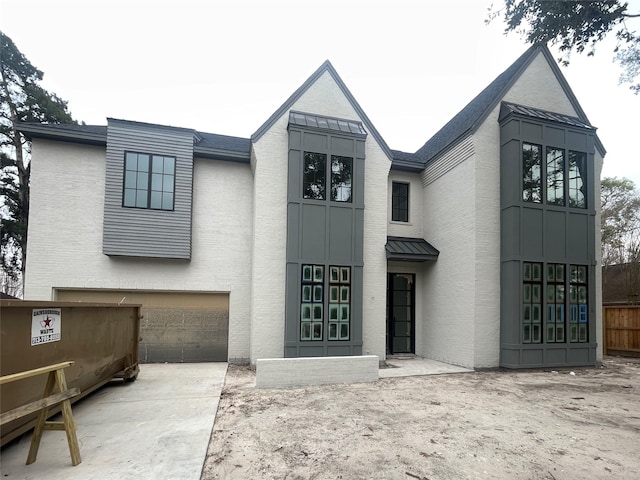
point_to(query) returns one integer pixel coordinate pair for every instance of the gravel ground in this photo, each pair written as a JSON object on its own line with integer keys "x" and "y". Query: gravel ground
{"x": 499, "y": 424}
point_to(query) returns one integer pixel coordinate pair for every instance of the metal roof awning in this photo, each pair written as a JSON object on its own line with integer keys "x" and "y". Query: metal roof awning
{"x": 407, "y": 249}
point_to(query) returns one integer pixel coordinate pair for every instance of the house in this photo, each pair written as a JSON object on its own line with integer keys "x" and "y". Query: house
{"x": 313, "y": 238}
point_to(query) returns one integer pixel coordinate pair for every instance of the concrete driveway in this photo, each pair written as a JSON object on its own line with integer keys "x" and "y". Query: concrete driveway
{"x": 157, "y": 427}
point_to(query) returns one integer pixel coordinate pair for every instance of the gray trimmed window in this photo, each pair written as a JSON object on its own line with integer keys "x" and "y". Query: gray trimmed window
{"x": 312, "y": 303}
{"x": 555, "y": 303}
{"x": 578, "y": 304}
{"x": 341, "y": 178}
{"x": 149, "y": 181}
{"x": 399, "y": 202}
{"x": 577, "y": 179}
{"x": 531, "y": 173}
{"x": 314, "y": 176}
{"x": 555, "y": 176}
{"x": 532, "y": 303}
{"x": 339, "y": 302}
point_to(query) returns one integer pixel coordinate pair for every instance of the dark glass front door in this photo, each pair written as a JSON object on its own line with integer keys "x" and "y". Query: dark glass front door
{"x": 400, "y": 313}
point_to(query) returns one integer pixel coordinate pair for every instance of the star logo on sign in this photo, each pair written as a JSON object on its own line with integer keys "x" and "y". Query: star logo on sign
{"x": 47, "y": 322}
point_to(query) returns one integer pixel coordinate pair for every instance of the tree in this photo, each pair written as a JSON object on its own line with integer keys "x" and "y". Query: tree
{"x": 579, "y": 25}
{"x": 620, "y": 226}
{"x": 22, "y": 99}
{"x": 620, "y": 221}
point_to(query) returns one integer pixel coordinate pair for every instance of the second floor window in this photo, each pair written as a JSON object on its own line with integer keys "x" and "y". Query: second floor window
{"x": 149, "y": 181}
{"x": 565, "y": 182}
{"x": 315, "y": 177}
{"x": 400, "y": 202}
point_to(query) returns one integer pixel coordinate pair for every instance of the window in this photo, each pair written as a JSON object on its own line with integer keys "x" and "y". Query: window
{"x": 315, "y": 177}
{"x": 312, "y": 304}
{"x": 314, "y": 181}
{"x": 531, "y": 173}
{"x": 311, "y": 317}
{"x": 555, "y": 176}
{"x": 532, "y": 303}
{"x": 341, "y": 172}
{"x": 577, "y": 179}
{"x": 149, "y": 181}
{"x": 555, "y": 303}
{"x": 339, "y": 302}
{"x": 400, "y": 202}
{"x": 578, "y": 303}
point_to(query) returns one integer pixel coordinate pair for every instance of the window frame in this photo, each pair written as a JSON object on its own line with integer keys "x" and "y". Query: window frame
{"x": 394, "y": 197}
{"x": 149, "y": 183}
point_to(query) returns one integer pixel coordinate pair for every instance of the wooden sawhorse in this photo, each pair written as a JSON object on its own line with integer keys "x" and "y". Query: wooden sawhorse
{"x": 49, "y": 398}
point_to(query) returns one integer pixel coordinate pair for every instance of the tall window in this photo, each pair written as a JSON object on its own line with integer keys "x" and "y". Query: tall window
{"x": 532, "y": 303}
{"x": 400, "y": 202}
{"x": 149, "y": 181}
{"x": 532, "y": 174}
{"x": 555, "y": 176}
{"x": 555, "y": 303}
{"x": 339, "y": 302}
{"x": 578, "y": 304}
{"x": 314, "y": 175}
{"x": 341, "y": 173}
{"x": 312, "y": 305}
{"x": 311, "y": 317}
{"x": 577, "y": 179}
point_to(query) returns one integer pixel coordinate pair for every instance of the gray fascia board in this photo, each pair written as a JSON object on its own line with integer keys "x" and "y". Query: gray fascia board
{"x": 42, "y": 131}
{"x": 226, "y": 155}
{"x": 325, "y": 67}
{"x": 403, "y": 166}
{"x": 407, "y": 257}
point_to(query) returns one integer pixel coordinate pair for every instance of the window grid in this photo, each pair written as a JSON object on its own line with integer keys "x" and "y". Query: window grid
{"x": 577, "y": 179}
{"x": 532, "y": 303}
{"x": 555, "y": 176}
{"x": 149, "y": 181}
{"x": 312, "y": 303}
{"x": 339, "y": 302}
{"x": 532, "y": 174}
{"x": 555, "y": 303}
{"x": 578, "y": 304}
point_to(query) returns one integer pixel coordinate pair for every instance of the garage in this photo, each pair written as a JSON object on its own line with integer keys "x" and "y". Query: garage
{"x": 176, "y": 326}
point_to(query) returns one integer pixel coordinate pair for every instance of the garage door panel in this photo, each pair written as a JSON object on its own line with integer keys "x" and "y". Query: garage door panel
{"x": 176, "y": 326}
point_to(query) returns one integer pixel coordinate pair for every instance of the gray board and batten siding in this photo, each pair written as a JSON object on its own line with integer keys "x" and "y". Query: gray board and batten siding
{"x": 543, "y": 233}
{"x": 324, "y": 232}
{"x": 145, "y": 232}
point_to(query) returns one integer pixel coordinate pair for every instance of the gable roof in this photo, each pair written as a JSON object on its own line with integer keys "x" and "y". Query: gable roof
{"x": 328, "y": 68}
{"x": 477, "y": 110}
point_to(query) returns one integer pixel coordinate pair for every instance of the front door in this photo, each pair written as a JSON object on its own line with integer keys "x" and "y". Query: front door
{"x": 400, "y": 313}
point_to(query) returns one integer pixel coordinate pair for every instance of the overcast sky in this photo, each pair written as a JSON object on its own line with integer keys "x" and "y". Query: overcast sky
{"x": 225, "y": 66}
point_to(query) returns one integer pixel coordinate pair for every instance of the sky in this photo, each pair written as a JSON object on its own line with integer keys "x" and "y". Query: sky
{"x": 225, "y": 66}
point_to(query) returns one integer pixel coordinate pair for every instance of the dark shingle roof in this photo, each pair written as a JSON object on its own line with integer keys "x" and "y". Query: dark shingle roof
{"x": 410, "y": 249}
{"x": 407, "y": 162}
{"x": 208, "y": 145}
{"x": 476, "y": 110}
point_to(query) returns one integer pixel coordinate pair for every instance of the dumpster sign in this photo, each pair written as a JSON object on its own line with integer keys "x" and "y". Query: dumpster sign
{"x": 45, "y": 326}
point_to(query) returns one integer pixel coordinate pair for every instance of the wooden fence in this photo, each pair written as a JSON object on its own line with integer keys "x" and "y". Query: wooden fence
{"x": 622, "y": 330}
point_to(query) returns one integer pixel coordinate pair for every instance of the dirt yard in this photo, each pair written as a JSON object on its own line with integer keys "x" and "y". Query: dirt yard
{"x": 546, "y": 424}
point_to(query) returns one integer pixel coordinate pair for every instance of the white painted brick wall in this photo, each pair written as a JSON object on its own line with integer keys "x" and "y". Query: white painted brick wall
{"x": 449, "y": 283}
{"x": 299, "y": 372}
{"x": 65, "y": 234}
{"x": 269, "y": 162}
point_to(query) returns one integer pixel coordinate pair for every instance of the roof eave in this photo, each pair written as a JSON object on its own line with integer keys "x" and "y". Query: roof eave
{"x": 220, "y": 154}
{"x": 41, "y": 131}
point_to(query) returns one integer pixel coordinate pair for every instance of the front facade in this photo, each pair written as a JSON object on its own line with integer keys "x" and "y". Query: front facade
{"x": 313, "y": 238}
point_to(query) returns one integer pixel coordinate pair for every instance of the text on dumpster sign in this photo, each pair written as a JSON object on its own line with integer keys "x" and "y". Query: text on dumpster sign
{"x": 45, "y": 326}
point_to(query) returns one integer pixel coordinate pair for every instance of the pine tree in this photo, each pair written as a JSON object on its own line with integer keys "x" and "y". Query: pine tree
{"x": 22, "y": 99}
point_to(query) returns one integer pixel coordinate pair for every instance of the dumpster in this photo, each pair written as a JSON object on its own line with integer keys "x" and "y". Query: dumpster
{"x": 101, "y": 338}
